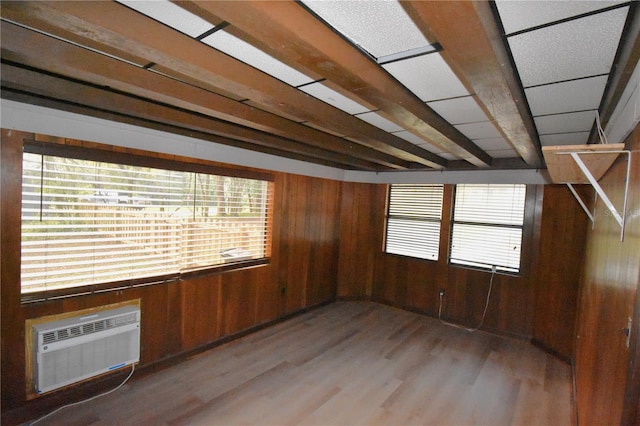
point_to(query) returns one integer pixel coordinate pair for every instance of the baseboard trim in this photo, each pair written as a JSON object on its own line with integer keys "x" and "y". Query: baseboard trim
{"x": 551, "y": 351}
{"x": 434, "y": 315}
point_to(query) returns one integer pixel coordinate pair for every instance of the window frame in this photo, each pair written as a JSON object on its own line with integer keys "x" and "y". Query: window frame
{"x": 134, "y": 157}
{"x": 522, "y": 227}
{"x": 429, "y": 219}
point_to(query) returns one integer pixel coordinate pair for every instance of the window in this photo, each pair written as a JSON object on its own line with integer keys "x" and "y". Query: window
{"x": 413, "y": 220}
{"x": 88, "y": 222}
{"x": 487, "y": 226}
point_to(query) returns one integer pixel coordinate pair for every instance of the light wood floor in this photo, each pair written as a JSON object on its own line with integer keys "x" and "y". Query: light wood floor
{"x": 347, "y": 363}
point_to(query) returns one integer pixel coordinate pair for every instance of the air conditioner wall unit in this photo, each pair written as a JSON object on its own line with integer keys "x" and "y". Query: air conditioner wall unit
{"x": 74, "y": 349}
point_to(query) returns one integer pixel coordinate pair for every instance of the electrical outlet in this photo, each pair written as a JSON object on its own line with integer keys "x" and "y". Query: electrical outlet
{"x": 442, "y": 292}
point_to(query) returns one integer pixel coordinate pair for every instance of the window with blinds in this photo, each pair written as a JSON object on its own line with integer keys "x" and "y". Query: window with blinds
{"x": 413, "y": 220}
{"x": 487, "y": 226}
{"x": 88, "y": 222}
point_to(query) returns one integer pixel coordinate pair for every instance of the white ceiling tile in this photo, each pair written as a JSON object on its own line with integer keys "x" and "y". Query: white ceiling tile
{"x": 580, "y": 138}
{"x": 379, "y": 27}
{"x": 448, "y": 156}
{"x": 459, "y": 110}
{"x": 518, "y": 15}
{"x": 334, "y": 98}
{"x": 172, "y": 15}
{"x": 492, "y": 144}
{"x": 379, "y": 121}
{"x": 502, "y": 153}
{"x": 245, "y": 52}
{"x": 482, "y": 130}
{"x": 565, "y": 123}
{"x": 578, "y": 95}
{"x": 574, "y": 49}
{"x": 428, "y": 76}
{"x": 416, "y": 140}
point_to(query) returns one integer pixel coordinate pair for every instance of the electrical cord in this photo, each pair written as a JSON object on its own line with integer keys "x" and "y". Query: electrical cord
{"x": 484, "y": 313}
{"x": 86, "y": 400}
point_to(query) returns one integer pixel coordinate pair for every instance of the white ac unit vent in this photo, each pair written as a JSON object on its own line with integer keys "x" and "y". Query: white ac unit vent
{"x": 74, "y": 349}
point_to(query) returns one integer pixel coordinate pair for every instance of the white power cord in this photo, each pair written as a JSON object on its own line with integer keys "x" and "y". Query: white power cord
{"x": 86, "y": 400}
{"x": 484, "y": 313}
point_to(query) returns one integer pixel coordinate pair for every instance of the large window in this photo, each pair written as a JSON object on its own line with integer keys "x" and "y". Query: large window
{"x": 487, "y": 226}
{"x": 89, "y": 222}
{"x": 413, "y": 220}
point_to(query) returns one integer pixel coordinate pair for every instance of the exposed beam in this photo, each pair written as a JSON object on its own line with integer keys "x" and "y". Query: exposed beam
{"x": 27, "y": 98}
{"x": 30, "y": 81}
{"x": 623, "y": 67}
{"x": 112, "y": 28}
{"x": 474, "y": 49}
{"x": 293, "y": 35}
{"x": 37, "y": 50}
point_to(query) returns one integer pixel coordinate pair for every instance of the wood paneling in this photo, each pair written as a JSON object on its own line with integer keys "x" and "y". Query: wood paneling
{"x": 364, "y": 271}
{"x": 321, "y": 226}
{"x": 13, "y": 317}
{"x": 563, "y": 232}
{"x": 361, "y": 235}
{"x": 604, "y": 373}
{"x": 415, "y": 284}
{"x": 181, "y": 316}
{"x": 309, "y": 227}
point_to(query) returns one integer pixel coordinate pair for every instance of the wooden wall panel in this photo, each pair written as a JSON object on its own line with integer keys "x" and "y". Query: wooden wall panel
{"x": 181, "y": 316}
{"x": 238, "y": 301}
{"x": 325, "y": 225}
{"x": 415, "y": 284}
{"x": 12, "y": 316}
{"x": 308, "y": 233}
{"x": 200, "y": 311}
{"x": 563, "y": 231}
{"x": 360, "y": 237}
{"x": 605, "y": 373}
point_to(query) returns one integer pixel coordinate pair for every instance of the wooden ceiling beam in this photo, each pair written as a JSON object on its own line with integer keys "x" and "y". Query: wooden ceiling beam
{"x": 37, "y": 50}
{"x": 27, "y": 98}
{"x": 625, "y": 63}
{"x": 290, "y": 33}
{"x": 474, "y": 49}
{"x": 34, "y": 82}
{"x": 116, "y": 30}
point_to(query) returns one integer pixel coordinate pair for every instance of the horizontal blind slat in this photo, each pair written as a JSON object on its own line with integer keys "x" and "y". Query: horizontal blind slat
{"x": 413, "y": 222}
{"x": 487, "y": 228}
{"x": 87, "y": 222}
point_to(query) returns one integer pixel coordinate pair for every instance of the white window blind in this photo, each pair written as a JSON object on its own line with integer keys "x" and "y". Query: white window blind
{"x": 487, "y": 226}
{"x": 87, "y": 222}
{"x": 413, "y": 220}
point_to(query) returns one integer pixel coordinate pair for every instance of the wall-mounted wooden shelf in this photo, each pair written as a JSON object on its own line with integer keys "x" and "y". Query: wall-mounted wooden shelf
{"x": 563, "y": 169}
{"x": 578, "y": 164}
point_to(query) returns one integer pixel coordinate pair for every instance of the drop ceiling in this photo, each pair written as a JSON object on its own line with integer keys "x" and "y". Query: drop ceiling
{"x": 358, "y": 85}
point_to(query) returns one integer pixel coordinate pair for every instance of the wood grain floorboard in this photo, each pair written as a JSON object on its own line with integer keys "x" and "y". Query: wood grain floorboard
{"x": 345, "y": 364}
